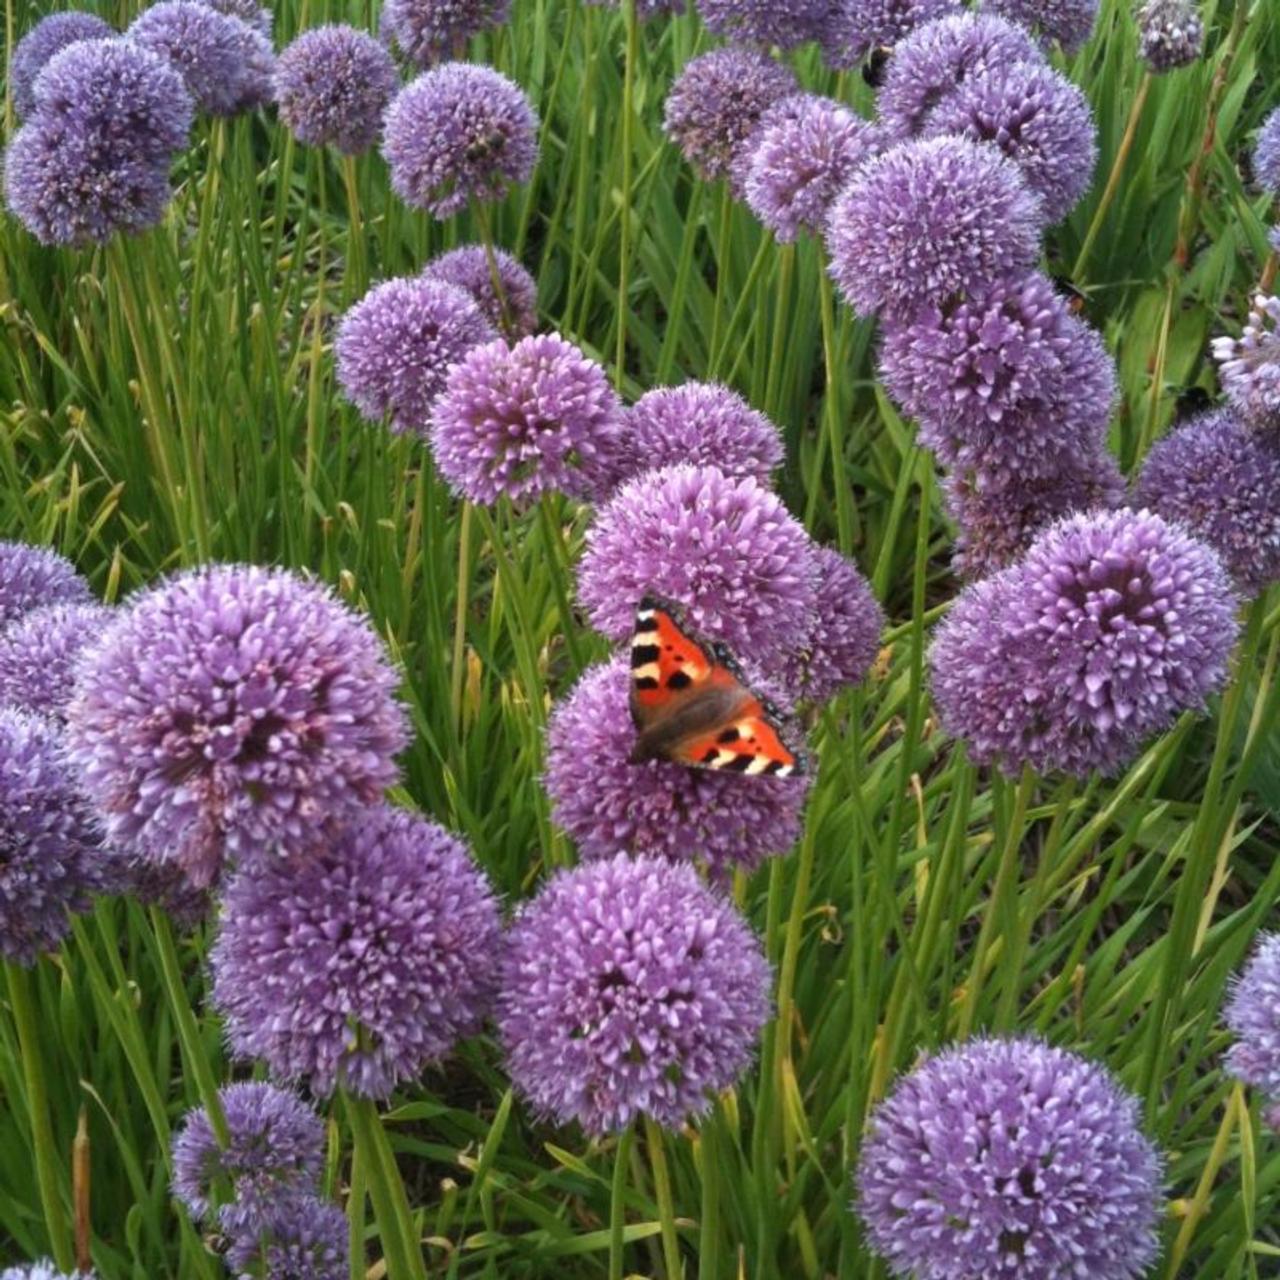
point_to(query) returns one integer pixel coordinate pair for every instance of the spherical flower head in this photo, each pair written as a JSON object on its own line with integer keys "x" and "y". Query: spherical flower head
{"x": 1266, "y": 154}
{"x": 332, "y": 86}
{"x": 536, "y": 418}
{"x": 1170, "y": 33}
{"x": 366, "y": 968}
{"x": 458, "y": 133}
{"x": 1069, "y": 22}
{"x": 717, "y": 101}
{"x": 1253, "y": 1015}
{"x": 629, "y": 989}
{"x": 657, "y": 808}
{"x": 275, "y": 1148}
{"x": 233, "y": 711}
{"x": 50, "y": 35}
{"x": 248, "y": 11}
{"x": 930, "y": 219}
{"x": 34, "y": 576}
{"x": 856, "y": 27}
{"x": 1249, "y": 366}
{"x": 845, "y": 637}
{"x": 1010, "y": 1158}
{"x": 429, "y": 31}
{"x": 301, "y": 1237}
{"x": 1222, "y": 482}
{"x": 50, "y": 852}
{"x": 702, "y": 424}
{"x": 39, "y": 652}
{"x": 205, "y": 47}
{"x": 1038, "y": 118}
{"x": 785, "y": 23}
{"x": 257, "y": 87}
{"x": 514, "y": 310}
{"x": 395, "y": 347}
{"x": 1006, "y": 379}
{"x": 801, "y": 156}
{"x": 725, "y": 550}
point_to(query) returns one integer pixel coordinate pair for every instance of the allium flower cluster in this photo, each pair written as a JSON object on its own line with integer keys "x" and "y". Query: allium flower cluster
{"x": 460, "y": 132}
{"x": 1010, "y": 1158}
{"x": 526, "y": 420}
{"x": 785, "y": 23}
{"x": 513, "y": 311}
{"x": 716, "y": 103}
{"x": 34, "y": 576}
{"x": 233, "y": 711}
{"x": 856, "y": 27}
{"x": 429, "y": 31}
{"x": 629, "y": 989}
{"x": 50, "y": 35}
{"x": 1249, "y": 366}
{"x": 803, "y": 153}
{"x": 1253, "y": 1015}
{"x": 367, "y": 968}
{"x": 1266, "y": 154}
{"x": 1112, "y": 624}
{"x": 1069, "y": 22}
{"x": 930, "y": 219}
{"x": 248, "y": 11}
{"x": 332, "y": 86}
{"x": 299, "y": 1238}
{"x": 39, "y": 652}
{"x": 727, "y": 551}
{"x": 395, "y": 347}
{"x": 1170, "y": 33}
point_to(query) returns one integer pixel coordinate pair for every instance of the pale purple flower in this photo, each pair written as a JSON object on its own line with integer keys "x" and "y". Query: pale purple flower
{"x": 249, "y": 12}
{"x": 1010, "y": 1158}
{"x": 50, "y": 35}
{"x": 207, "y": 48}
{"x": 629, "y": 989}
{"x": 785, "y": 23}
{"x": 1253, "y": 1015}
{"x": 39, "y": 652}
{"x": 300, "y": 1237}
{"x": 1069, "y": 22}
{"x": 857, "y": 27}
{"x": 34, "y": 576}
{"x": 1249, "y": 366}
{"x": 1170, "y": 33}
{"x": 514, "y": 310}
{"x": 430, "y": 31}
{"x": 1266, "y": 154}
{"x": 41, "y": 1270}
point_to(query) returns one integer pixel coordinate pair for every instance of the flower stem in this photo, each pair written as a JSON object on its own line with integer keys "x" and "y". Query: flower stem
{"x": 617, "y": 1202}
{"x": 656, "y": 1142}
{"x": 709, "y": 1232}
{"x": 357, "y": 267}
{"x": 624, "y": 247}
{"x": 457, "y": 675}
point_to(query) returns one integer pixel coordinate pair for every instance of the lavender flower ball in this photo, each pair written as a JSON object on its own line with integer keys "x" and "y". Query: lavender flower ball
{"x": 257, "y": 87}
{"x": 856, "y": 27}
{"x": 629, "y": 989}
{"x": 802, "y": 155}
{"x": 1249, "y": 366}
{"x": 1010, "y": 1158}
{"x": 717, "y": 101}
{"x": 930, "y": 219}
{"x": 205, "y": 47}
{"x": 332, "y": 86}
{"x": 51, "y": 859}
{"x": 657, "y": 808}
{"x": 1038, "y": 118}
{"x": 521, "y": 421}
{"x": 1069, "y": 22}
{"x": 365, "y": 969}
{"x": 429, "y": 31}
{"x": 459, "y": 133}
{"x": 34, "y": 576}
{"x": 702, "y": 424}
{"x": 276, "y": 1148}
{"x": 237, "y": 711}
{"x": 1007, "y": 380}
{"x": 39, "y": 652}
{"x": 1253, "y": 1015}
{"x": 248, "y": 11}
{"x": 514, "y": 312}
{"x": 1170, "y": 33}
{"x": 1222, "y": 482}
{"x": 785, "y": 23}
{"x": 299, "y": 1238}
{"x": 727, "y": 551}
{"x": 50, "y": 35}
{"x": 1266, "y": 154}
{"x": 395, "y": 347}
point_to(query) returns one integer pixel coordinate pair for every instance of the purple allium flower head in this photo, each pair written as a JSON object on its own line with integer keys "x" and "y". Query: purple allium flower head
{"x": 38, "y": 655}
{"x": 276, "y": 1148}
{"x": 429, "y": 31}
{"x": 515, "y": 311}
{"x": 804, "y": 151}
{"x": 657, "y": 807}
{"x": 300, "y": 1237}
{"x": 1266, "y": 154}
{"x": 366, "y": 968}
{"x": 166, "y": 886}
{"x": 395, "y": 347}
{"x": 1170, "y": 33}
{"x": 1223, "y": 482}
{"x": 1006, "y": 380}
{"x": 938, "y": 58}
{"x": 929, "y": 219}
{"x": 703, "y": 424}
{"x": 1038, "y": 118}
{"x": 207, "y": 48}
{"x": 856, "y": 27}
{"x": 51, "y": 857}
{"x": 248, "y": 11}
{"x": 257, "y": 88}
{"x": 34, "y": 576}
{"x": 233, "y": 710}
{"x": 629, "y": 989}
{"x": 332, "y": 86}
{"x": 716, "y": 103}
{"x": 727, "y": 551}
{"x": 1069, "y": 22}
{"x": 526, "y": 420}
{"x": 785, "y": 23}
{"x": 1253, "y": 1014}
{"x": 1249, "y": 366}
{"x": 50, "y": 35}
{"x": 845, "y": 637}
{"x": 458, "y": 133}
{"x": 1010, "y": 1158}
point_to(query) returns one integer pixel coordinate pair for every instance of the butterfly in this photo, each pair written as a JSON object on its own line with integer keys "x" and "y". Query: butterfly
{"x": 692, "y": 706}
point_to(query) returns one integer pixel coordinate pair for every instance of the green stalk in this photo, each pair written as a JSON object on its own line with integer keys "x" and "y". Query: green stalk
{"x": 457, "y": 675}
{"x": 655, "y": 1140}
{"x": 561, "y": 572}
{"x": 357, "y": 275}
{"x": 624, "y": 248}
{"x": 709, "y": 1232}
{"x": 617, "y": 1202}
{"x": 359, "y": 1189}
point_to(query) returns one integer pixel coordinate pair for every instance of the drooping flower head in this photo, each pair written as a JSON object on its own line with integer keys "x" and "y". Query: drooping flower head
{"x": 332, "y": 86}
{"x": 1253, "y": 1015}
{"x": 1170, "y": 33}
{"x": 857, "y": 27}
{"x": 429, "y": 31}
{"x": 629, "y": 989}
{"x": 300, "y": 1237}
{"x": 1069, "y": 22}
{"x": 514, "y": 311}
{"x": 395, "y": 347}
{"x": 804, "y": 151}
{"x": 526, "y": 420}
{"x": 50, "y": 35}
{"x": 460, "y": 132}
{"x": 34, "y": 576}
{"x": 233, "y": 711}
{"x": 726, "y": 551}
{"x": 785, "y": 23}
{"x": 207, "y": 48}
{"x": 39, "y": 652}
{"x": 1010, "y": 1158}
{"x": 366, "y": 968}
{"x": 1266, "y": 154}
{"x": 930, "y": 219}
{"x": 1249, "y": 366}
{"x": 717, "y": 101}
